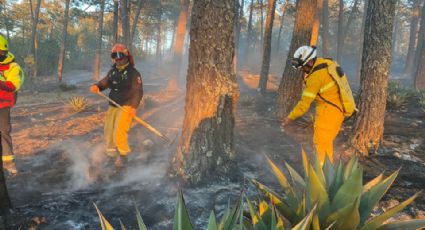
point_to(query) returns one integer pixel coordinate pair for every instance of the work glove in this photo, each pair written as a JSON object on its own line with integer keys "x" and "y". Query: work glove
{"x": 94, "y": 89}
{"x": 286, "y": 122}
{"x": 130, "y": 110}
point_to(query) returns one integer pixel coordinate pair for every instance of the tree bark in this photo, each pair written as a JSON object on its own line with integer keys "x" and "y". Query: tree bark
{"x": 340, "y": 29}
{"x": 410, "y": 57}
{"x": 64, "y": 38}
{"x": 281, "y": 25}
{"x": 376, "y": 62}
{"x": 291, "y": 84}
{"x": 98, "y": 58}
{"x": 33, "y": 50}
{"x": 115, "y": 23}
{"x": 325, "y": 29}
{"x": 250, "y": 36}
{"x": 260, "y": 4}
{"x": 206, "y": 146}
{"x": 267, "y": 46}
{"x": 345, "y": 28}
{"x": 420, "y": 72}
{"x": 125, "y": 22}
{"x": 361, "y": 42}
{"x": 158, "y": 35}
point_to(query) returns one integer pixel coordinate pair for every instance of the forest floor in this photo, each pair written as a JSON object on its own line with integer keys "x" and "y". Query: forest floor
{"x": 61, "y": 161}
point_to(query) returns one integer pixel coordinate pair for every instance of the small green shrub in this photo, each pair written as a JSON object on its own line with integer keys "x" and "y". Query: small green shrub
{"x": 64, "y": 87}
{"x": 397, "y": 95}
{"x": 421, "y": 101}
{"x": 148, "y": 102}
{"x": 246, "y": 101}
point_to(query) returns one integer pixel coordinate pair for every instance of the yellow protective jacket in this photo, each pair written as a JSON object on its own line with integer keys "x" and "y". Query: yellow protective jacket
{"x": 319, "y": 86}
{"x": 11, "y": 79}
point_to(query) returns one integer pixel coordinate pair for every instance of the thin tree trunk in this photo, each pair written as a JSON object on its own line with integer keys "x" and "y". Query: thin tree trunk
{"x": 325, "y": 29}
{"x": 206, "y": 146}
{"x": 361, "y": 42}
{"x": 250, "y": 36}
{"x": 97, "y": 61}
{"x": 125, "y": 22}
{"x": 115, "y": 22}
{"x": 410, "y": 58}
{"x": 420, "y": 72}
{"x": 316, "y": 24}
{"x": 136, "y": 19}
{"x": 267, "y": 47}
{"x": 291, "y": 84}
{"x": 282, "y": 19}
{"x": 346, "y": 28}
{"x": 340, "y": 29}
{"x": 376, "y": 62}
{"x": 33, "y": 49}
{"x": 260, "y": 3}
{"x": 181, "y": 28}
{"x": 158, "y": 35}
{"x": 64, "y": 38}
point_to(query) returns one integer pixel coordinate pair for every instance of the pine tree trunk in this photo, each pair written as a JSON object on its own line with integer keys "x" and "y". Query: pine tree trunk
{"x": 290, "y": 86}
{"x": 420, "y": 72}
{"x": 267, "y": 46}
{"x": 237, "y": 33}
{"x": 33, "y": 50}
{"x": 325, "y": 29}
{"x": 340, "y": 31}
{"x": 316, "y": 24}
{"x": 347, "y": 25}
{"x": 260, "y": 3}
{"x": 281, "y": 26}
{"x": 64, "y": 38}
{"x": 410, "y": 58}
{"x": 181, "y": 28}
{"x": 125, "y": 22}
{"x": 250, "y": 36}
{"x": 376, "y": 62}
{"x": 206, "y": 146}
{"x": 115, "y": 23}
{"x": 136, "y": 19}
{"x": 98, "y": 58}
{"x": 158, "y": 35}
{"x": 361, "y": 42}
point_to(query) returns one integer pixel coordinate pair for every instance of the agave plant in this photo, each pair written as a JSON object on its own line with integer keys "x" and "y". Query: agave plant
{"x": 397, "y": 95}
{"x": 343, "y": 202}
{"x": 263, "y": 217}
{"x": 78, "y": 104}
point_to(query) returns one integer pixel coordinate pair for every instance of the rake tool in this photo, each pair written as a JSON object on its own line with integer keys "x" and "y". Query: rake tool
{"x": 139, "y": 120}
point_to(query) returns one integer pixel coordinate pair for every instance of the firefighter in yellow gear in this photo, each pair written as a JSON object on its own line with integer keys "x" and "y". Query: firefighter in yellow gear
{"x": 321, "y": 88}
{"x": 125, "y": 83}
{"x": 11, "y": 79}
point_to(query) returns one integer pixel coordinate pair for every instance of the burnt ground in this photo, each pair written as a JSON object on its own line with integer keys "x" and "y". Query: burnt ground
{"x": 63, "y": 172}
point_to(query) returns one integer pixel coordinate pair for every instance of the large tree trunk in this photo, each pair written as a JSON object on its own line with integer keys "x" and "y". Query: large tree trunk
{"x": 181, "y": 28}
{"x": 115, "y": 23}
{"x": 125, "y": 22}
{"x": 64, "y": 37}
{"x": 33, "y": 49}
{"x": 98, "y": 58}
{"x": 376, "y": 62}
{"x": 340, "y": 29}
{"x": 325, "y": 29}
{"x": 267, "y": 46}
{"x": 281, "y": 25}
{"x": 420, "y": 72}
{"x": 410, "y": 58}
{"x": 290, "y": 86}
{"x": 206, "y": 146}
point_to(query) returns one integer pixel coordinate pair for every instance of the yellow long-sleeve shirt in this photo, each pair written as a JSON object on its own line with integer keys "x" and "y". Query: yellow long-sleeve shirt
{"x": 318, "y": 81}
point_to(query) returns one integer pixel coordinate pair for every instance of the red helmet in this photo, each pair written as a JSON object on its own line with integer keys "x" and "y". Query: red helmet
{"x": 120, "y": 51}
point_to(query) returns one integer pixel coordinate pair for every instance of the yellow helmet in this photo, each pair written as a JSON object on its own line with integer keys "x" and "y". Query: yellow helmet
{"x": 3, "y": 43}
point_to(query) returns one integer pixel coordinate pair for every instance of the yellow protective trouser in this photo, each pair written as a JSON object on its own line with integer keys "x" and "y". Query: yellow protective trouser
{"x": 327, "y": 124}
{"x": 116, "y": 130}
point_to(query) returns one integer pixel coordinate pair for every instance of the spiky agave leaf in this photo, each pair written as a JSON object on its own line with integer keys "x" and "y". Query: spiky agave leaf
{"x": 405, "y": 225}
{"x": 305, "y": 223}
{"x": 103, "y": 222}
{"x": 140, "y": 222}
{"x": 316, "y": 194}
{"x": 122, "y": 226}
{"x": 349, "y": 191}
{"x": 347, "y": 217}
{"x": 230, "y": 218}
{"x": 181, "y": 217}
{"x": 212, "y": 222}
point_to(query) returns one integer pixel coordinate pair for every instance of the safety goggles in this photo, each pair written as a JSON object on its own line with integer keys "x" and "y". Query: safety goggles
{"x": 118, "y": 55}
{"x": 297, "y": 63}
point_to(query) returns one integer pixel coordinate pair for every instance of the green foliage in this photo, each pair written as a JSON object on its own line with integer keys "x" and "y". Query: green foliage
{"x": 342, "y": 201}
{"x": 77, "y": 103}
{"x": 421, "y": 101}
{"x": 246, "y": 101}
{"x": 397, "y": 95}
{"x": 148, "y": 102}
{"x": 64, "y": 87}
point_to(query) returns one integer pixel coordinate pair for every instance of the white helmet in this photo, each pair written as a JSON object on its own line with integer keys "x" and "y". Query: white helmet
{"x": 302, "y": 55}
